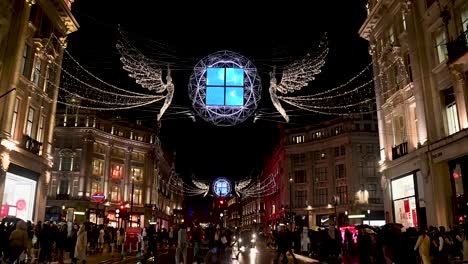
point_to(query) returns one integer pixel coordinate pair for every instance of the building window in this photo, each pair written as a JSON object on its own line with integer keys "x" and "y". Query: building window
{"x": 40, "y": 130}
{"x": 321, "y": 174}
{"x": 298, "y": 139}
{"x": 117, "y": 171}
{"x": 95, "y": 187}
{"x": 63, "y": 187}
{"x": 451, "y": 111}
{"x": 25, "y": 60}
{"x": 301, "y": 197}
{"x": 298, "y": 158}
{"x": 340, "y": 171}
{"x": 440, "y": 46}
{"x": 408, "y": 67}
{"x": 321, "y": 197}
{"x": 342, "y": 150}
{"x": 323, "y": 156}
{"x": 29, "y": 122}
{"x": 98, "y": 167}
{"x": 224, "y": 87}
{"x": 452, "y": 118}
{"x": 369, "y": 168}
{"x": 75, "y": 188}
{"x": 399, "y": 129}
{"x": 391, "y": 35}
{"x": 137, "y": 173}
{"x": 65, "y": 163}
{"x": 15, "y": 117}
{"x": 403, "y": 20}
{"x": 115, "y": 194}
{"x": 372, "y": 189}
{"x": 300, "y": 176}
{"x": 37, "y": 71}
{"x": 464, "y": 17}
{"x": 137, "y": 195}
{"x": 342, "y": 192}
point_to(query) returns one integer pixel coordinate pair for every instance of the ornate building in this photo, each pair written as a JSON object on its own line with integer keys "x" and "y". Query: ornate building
{"x": 330, "y": 170}
{"x": 98, "y": 155}
{"x": 421, "y": 91}
{"x": 32, "y": 38}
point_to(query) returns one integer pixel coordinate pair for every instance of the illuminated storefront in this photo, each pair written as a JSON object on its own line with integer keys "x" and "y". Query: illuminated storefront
{"x": 404, "y": 201}
{"x": 19, "y": 196}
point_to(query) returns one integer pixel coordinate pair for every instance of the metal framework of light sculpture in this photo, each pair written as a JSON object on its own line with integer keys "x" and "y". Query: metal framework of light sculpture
{"x": 225, "y": 115}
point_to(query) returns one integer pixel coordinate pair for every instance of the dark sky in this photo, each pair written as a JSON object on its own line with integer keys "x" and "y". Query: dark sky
{"x": 181, "y": 33}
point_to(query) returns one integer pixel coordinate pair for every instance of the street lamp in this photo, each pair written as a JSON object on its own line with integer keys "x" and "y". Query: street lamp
{"x": 309, "y": 210}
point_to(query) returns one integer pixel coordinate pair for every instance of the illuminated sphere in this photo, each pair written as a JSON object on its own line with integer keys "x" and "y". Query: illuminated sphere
{"x": 218, "y": 92}
{"x": 221, "y": 187}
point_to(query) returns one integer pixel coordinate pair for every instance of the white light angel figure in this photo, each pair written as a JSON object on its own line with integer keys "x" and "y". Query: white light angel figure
{"x": 169, "y": 87}
{"x": 146, "y": 72}
{"x": 296, "y": 76}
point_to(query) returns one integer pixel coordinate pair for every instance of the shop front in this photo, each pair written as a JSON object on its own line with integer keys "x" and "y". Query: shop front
{"x": 404, "y": 200}
{"x": 19, "y": 195}
{"x": 459, "y": 183}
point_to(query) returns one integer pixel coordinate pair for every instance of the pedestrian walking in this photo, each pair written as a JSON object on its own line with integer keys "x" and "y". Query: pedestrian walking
{"x": 182, "y": 245}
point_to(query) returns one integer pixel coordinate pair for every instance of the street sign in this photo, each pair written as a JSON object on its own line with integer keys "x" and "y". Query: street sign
{"x": 98, "y": 197}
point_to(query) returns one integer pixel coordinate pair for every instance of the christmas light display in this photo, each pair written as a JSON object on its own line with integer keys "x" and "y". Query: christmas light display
{"x": 222, "y": 100}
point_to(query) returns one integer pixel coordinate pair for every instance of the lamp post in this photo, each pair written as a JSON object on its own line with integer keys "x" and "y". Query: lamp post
{"x": 131, "y": 200}
{"x": 309, "y": 209}
{"x": 290, "y": 198}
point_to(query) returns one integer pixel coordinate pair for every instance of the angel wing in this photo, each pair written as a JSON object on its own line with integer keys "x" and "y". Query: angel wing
{"x": 298, "y": 74}
{"x": 145, "y": 71}
{"x": 242, "y": 184}
{"x": 201, "y": 185}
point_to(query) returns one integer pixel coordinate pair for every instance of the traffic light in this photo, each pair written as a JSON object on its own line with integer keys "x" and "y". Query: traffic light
{"x": 121, "y": 212}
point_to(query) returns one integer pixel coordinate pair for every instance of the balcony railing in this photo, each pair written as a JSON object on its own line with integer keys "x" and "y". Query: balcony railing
{"x": 400, "y": 150}
{"x": 30, "y": 144}
{"x": 458, "y": 47}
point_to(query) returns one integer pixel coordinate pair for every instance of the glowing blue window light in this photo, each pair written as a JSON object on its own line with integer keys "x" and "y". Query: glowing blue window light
{"x": 215, "y": 76}
{"x": 234, "y": 77}
{"x": 224, "y": 87}
{"x": 235, "y": 96}
{"x": 214, "y": 95}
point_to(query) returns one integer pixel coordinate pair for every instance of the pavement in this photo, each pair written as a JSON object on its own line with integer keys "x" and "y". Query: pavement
{"x": 261, "y": 255}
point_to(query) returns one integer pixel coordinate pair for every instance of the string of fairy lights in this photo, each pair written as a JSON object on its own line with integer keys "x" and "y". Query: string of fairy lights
{"x": 91, "y": 92}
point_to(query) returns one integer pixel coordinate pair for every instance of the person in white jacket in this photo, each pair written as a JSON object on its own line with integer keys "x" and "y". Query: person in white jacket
{"x": 182, "y": 245}
{"x": 81, "y": 244}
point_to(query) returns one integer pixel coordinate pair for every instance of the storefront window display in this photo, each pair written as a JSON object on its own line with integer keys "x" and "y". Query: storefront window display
{"x": 404, "y": 201}
{"x": 19, "y": 197}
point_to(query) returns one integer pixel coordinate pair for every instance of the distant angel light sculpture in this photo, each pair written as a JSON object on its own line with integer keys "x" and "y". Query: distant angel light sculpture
{"x": 170, "y": 94}
{"x": 296, "y": 76}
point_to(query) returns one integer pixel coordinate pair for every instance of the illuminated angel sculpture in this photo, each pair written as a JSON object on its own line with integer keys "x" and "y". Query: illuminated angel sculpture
{"x": 296, "y": 76}
{"x": 170, "y": 94}
{"x": 146, "y": 72}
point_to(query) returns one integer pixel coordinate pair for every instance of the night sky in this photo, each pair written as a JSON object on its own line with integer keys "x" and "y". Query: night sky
{"x": 181, "y": 33}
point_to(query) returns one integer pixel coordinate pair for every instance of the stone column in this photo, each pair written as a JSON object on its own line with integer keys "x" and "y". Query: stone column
{"x": 459, "y": 88}
{"x": 107, "y": 169}
{"x": 128, "y": 174}
{"x": 86, "y": 164}
{"x": 379, "y": 101}
{"x": 10, "y": 73}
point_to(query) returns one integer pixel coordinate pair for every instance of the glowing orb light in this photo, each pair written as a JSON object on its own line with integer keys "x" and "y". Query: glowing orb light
{"x": 225, "y": 88}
